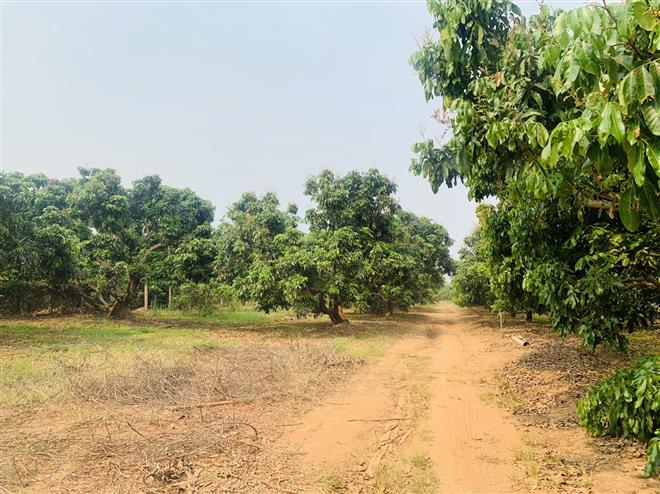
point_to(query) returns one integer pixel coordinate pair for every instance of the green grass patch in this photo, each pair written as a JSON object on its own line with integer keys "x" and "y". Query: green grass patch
{"x": 360, "y": 347}
{"x": 74, "y": 334}
{"x": 229, "y": 317}
{"x": 420, "y": 461}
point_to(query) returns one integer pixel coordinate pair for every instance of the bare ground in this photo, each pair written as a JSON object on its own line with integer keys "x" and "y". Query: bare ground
{"x": 448, "y": 410}
{"x": 451, "y": 405}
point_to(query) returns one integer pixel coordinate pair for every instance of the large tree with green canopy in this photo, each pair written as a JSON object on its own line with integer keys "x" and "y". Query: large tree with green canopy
{"x": 361, "y": 251}
{"x": 246, "y": 248}
{"x": 90, "y": 240}
{"x": 557, "y": 117}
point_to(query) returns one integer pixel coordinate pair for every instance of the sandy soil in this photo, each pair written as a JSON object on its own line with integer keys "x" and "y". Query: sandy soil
{"x": 438, "y": 395}
{"x": 452, "y": 405}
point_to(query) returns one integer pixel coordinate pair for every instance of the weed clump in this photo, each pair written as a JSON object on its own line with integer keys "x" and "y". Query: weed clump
{"x": 627, "y": 403}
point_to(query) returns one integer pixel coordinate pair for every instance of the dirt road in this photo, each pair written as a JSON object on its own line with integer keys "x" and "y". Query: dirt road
{"x": 427, "y": 398}
{"x": 428, "y": 417}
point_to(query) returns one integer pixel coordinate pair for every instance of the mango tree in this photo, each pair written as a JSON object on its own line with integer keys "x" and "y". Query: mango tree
{"x": 556, "y": 116}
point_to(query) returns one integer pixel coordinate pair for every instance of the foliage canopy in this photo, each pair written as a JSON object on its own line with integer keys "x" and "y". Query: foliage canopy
{"x": 627, "y": 403}
{"x": 362, "y": 250}
{"x": 90, "y": 241}
{"x": 557, "y": 117}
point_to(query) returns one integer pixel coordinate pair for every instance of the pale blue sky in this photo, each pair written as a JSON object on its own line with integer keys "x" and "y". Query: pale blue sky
{"x": 221, "y": 97}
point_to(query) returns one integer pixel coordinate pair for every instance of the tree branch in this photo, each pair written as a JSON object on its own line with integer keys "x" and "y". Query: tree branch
{"x": 602, "y": 204}
{"x": 646, "y": 281}
{"x": 150, "y": 250}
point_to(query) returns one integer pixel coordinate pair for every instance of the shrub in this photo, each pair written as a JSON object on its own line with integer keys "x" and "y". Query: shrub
{"x": 194, "y": 296}
{"x": 203, "y": 297}
{"x": 627, "y": 403}
{"x": 653, "y": 456}
{"x": 224, "y": 295}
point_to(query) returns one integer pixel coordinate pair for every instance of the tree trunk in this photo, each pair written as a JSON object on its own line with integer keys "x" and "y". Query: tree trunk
{"x": 389, "y": 308}
{"x": 335, "y": 311}
{"x": 169, "y": 288}
{"x": 122, "y": 311}
{"x": 146, "y": 296}
{"x": 528, "y": 318}
{"x": 123, "y": 306}
{"x": 335, "y": 315}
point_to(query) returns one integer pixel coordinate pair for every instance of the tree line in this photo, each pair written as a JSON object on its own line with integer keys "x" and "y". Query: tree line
{"x": 91, "y": 244}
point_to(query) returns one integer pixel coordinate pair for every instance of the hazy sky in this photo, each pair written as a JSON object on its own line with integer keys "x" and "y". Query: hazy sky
{"x": 221, "y": 97}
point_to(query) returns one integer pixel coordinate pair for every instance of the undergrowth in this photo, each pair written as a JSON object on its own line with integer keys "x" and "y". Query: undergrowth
{"x": 627, "y": 403}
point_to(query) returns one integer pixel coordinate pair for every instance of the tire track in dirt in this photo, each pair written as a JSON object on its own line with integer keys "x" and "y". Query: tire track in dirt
{"x": 470, "y": 442}
{"x": 334, "y": 434}
{"x": 473, "y": 442}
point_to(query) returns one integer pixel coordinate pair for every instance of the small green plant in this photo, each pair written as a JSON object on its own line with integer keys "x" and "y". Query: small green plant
{"x": 334, "y": 483}
{"x": 653, "y": 456}
{"x": 421, "y": 461}
{"x": 627, "y": 403}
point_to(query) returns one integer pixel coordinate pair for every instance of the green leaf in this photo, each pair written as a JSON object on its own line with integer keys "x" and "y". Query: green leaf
{"x": 632, "y": 131}
{"x": 605, "y": 123}
{"x": 603, "y": 161}
{"x": 571, "y": 73}
{"x": 541, "y": 134}
{"x": 585, "y": 60}
{"x": 653, "y": 155}
{"x": 621, "y": 22}
{"x": 643, "y": 15}
{"x": 545, "y": 154}
{"x": 651, "y": 112}
{"x": 636, "y": 162}
{"x": 617, "y": 128}
{"x": 649, "y": 199}
{"x": 644, "y": 83}
{"x": 554, "y": 155}
{"x": 492, "y": 136}
{"x": 560, "y": 30}
{"x": 629, "y": 215}
{"x": 627, "y": 91}
{"x": 569, "y": 140}
{"x": 654, "y": 70}
{"x": 551, "y": 55}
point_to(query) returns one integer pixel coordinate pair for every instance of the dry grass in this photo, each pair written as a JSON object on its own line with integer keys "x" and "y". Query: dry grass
{"x": 200, "y": 420}
{"x": 160, "y": 406}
